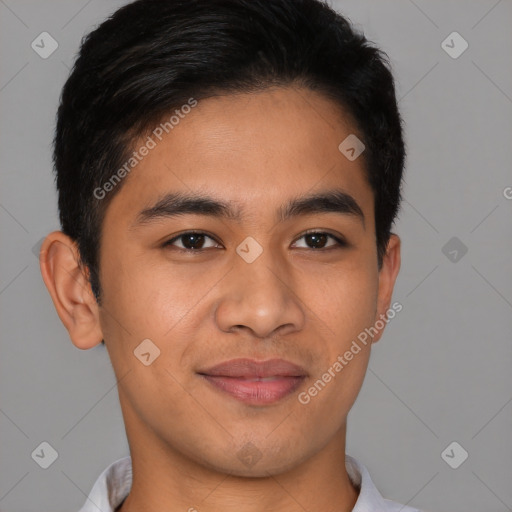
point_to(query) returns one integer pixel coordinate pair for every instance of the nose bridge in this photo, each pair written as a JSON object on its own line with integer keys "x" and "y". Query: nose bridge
{"x": 260, "y": 296}
{"x": 259, "y": 279}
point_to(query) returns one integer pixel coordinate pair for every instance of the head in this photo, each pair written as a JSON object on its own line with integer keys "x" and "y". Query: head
{"x": 243, "y": 107}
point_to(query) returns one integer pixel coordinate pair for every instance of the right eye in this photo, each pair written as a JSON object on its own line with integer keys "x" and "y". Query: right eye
{"x": 192, "y": 241}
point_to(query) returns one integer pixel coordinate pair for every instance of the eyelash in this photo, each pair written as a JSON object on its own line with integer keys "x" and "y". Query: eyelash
{"x": 340, "y": 242}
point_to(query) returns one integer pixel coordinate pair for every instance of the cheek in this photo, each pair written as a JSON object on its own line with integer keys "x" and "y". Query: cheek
{"x": 159, "y": 301}
{"x": 344, "y": 298}
{"x": 354, "y": 307}
{"x": 344, "y": 306}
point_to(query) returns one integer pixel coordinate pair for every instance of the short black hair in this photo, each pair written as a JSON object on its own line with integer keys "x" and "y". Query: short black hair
{"x": 152, "y": 56}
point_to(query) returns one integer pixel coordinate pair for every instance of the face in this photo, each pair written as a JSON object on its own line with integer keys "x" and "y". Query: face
{"x": 255, "y": 279}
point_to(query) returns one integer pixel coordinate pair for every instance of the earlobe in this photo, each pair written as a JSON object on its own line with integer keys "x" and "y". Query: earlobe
{"x": 70, "y": 290}
{"x": 387, "y": 278}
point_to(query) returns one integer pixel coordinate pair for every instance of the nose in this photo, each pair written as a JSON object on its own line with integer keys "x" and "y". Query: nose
{"x": 260, "y": 297}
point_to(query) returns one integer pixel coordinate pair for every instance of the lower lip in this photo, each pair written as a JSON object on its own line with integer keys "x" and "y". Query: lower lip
{"x": 256, "y": 392}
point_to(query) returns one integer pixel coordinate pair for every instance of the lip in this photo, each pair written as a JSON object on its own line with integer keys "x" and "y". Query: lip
{"x": 255, "y": 382}
{"x": 251, "y": 369}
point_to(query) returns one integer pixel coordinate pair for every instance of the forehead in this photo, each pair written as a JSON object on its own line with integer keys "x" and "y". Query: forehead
{"x": 252, "y": 149}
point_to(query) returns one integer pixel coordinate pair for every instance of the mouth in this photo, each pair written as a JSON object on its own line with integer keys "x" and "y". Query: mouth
{"x": 255, "y": 382}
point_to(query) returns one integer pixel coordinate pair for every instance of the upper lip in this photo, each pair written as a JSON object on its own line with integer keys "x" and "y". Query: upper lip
{"x": 251, "y": 368}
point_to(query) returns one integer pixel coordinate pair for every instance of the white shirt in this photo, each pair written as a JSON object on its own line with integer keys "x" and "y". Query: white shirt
{"x": 113, "y": 486}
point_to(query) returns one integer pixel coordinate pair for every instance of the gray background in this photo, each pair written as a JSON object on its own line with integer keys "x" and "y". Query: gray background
{"x": 441, "y": 372}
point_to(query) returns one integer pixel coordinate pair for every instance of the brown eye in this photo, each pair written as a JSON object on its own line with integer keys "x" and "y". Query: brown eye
{"x": 318, "y": 240}
{"x": 191, "y": 241}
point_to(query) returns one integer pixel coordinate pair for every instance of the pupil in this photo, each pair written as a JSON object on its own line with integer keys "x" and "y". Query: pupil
{"x": 193, "y": 238}
{"x": 315, "y": 238}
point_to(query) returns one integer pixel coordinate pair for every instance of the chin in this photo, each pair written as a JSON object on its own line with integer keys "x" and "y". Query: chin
{"x": 249, "y": 462}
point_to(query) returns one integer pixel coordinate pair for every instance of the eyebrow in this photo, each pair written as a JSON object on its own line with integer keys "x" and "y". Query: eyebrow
{"x": 175, "y": 204}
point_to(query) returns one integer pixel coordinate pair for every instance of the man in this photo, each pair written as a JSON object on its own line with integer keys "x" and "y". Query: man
{"x": 228, "y": 174}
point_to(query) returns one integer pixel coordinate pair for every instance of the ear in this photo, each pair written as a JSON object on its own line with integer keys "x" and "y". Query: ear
{"x": 70, "y": 290}
{"x": 387, "y": 277}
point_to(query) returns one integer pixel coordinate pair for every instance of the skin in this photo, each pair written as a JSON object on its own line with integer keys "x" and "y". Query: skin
{"x": 295, "y": 302}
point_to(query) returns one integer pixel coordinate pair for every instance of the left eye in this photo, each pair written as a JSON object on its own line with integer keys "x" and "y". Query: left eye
{"x": 318, "y": 240}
